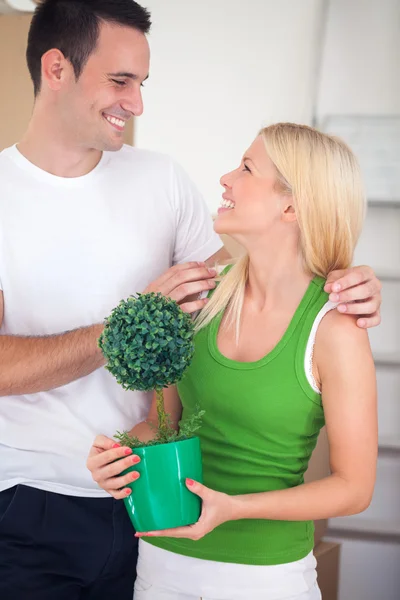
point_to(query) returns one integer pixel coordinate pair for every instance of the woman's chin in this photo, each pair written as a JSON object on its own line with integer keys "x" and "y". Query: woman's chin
{"x": 223, "y": 222}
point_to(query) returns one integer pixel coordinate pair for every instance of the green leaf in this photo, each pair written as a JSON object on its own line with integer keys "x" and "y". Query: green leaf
{"x": 147, "y": 341}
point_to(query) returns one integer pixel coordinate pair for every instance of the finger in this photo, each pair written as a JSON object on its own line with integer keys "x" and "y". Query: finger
{"x": 342, "y": 280}
{"x": 121, "y": 494}
{"x": 198, "y": 488}
{"x": 178, "y": 532}
{"x": 102, "y": 442}
{"x": 359, "y": 308}
{"x": 118, "y": 483}
{"x": 108, "y": 456}
{"x": 371, "y": 321}
{"x": 364, "y": 291}
{"x": 186, "y": 277}
{"x": 192, "y": 307}
{"x": 172, "y": 271}
{"x": 186, "y": 266}
{"x": 179, "y": 274}
{"x": 184, "y": 291}
{"x": 332, "y": 277}
{"x": 115, "y": 468}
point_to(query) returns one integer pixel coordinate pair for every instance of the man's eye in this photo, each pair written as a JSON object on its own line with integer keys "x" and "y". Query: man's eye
{"x": 119, "y": 82}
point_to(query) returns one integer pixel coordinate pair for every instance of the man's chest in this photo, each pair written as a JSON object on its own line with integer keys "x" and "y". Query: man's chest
{"x": 64, "y": 268}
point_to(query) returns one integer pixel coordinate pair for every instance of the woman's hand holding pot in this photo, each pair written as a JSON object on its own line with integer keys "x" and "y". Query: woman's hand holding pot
{"x": 106, "y": 461}
{"x": 217, "y": 508}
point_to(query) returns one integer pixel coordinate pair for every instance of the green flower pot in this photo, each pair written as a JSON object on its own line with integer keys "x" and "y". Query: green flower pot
{"x": 160, "y": 498}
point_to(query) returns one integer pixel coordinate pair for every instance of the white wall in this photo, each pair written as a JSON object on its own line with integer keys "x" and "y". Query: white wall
{"x": 220, "y": 70}
{"x": 361, "y": 66}
{"x": 372, "y": 570}
{"x": 361, "y": 76}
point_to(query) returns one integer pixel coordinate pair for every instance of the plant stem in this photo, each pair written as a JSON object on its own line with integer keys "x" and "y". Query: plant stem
{"x": 162, "y": 417}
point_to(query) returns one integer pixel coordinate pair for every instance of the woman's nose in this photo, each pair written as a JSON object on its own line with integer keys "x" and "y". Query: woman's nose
{"x": 224, "y": 181}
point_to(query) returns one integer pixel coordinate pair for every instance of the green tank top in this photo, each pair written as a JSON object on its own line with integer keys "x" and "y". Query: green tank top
{"x": 260, "y": 426}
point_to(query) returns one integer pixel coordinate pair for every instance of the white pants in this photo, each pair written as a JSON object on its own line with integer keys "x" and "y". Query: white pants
{"x": 159, "y": 594}
{"x": 142, "y": 592}
{"x": 163, "y": 575}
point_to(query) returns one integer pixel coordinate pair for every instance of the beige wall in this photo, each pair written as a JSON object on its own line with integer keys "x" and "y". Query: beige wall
{"x": 16, "y": 96}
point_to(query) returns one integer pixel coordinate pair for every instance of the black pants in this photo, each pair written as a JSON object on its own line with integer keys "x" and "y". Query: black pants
{"x": 56, "y": 547}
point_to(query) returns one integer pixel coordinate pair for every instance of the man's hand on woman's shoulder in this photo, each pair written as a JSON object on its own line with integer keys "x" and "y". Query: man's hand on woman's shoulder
{"x": 185, "y": 283}
{"x": 358, "y": 292}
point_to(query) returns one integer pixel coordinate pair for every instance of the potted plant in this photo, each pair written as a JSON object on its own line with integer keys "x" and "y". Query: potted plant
{"x": 148, "y": 344}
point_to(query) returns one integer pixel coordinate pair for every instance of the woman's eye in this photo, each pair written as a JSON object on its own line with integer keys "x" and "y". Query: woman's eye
{"x": 246, "y": 168}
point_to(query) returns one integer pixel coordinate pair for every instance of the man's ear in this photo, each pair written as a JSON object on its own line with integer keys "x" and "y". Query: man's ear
{"x": 56, "y": 69}
{"x": 289, "y": 212}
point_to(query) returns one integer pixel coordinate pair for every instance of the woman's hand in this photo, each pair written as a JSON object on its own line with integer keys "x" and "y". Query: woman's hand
{"x": 358, "y": 291}
{"x": 217, "y": 509}
{"x": 106, "y": 469}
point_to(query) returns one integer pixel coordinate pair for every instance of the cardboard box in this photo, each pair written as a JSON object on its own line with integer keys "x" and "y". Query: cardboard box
{"x": 328, "y": 557}
{"x": 319, "y": 464}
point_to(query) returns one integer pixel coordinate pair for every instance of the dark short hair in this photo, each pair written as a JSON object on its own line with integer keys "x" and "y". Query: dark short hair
{"x": 73, "y": 27}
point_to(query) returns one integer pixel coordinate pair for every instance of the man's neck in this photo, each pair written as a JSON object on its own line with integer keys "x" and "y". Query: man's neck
{"x": 48, "y": 149}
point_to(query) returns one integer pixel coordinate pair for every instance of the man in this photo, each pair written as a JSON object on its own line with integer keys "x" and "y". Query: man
{"x": 86, "y": 222}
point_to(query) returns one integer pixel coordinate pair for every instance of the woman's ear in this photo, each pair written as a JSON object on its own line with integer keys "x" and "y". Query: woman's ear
{"x": 289, "y": 211}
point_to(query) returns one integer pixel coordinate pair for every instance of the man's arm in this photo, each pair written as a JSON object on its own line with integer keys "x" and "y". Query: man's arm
{"x": 35, "y": 364}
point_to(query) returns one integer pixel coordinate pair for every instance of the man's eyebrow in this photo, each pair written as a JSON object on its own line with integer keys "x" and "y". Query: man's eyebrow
{"x": 127, "y": 75}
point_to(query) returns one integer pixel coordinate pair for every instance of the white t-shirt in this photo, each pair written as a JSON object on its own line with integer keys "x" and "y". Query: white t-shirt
{"x": 70, "y": 250}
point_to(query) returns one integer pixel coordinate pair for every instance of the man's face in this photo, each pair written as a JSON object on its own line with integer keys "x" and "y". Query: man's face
{"x": 107, "y": 94}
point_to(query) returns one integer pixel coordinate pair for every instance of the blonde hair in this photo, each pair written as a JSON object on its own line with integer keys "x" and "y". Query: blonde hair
{"x": 322, "y": 175}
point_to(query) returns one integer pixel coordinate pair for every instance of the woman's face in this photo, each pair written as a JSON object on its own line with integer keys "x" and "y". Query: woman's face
{"x": 251, "y": 203}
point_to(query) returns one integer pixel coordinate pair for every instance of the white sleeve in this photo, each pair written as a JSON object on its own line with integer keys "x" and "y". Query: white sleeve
{"x": 195, "y": 236}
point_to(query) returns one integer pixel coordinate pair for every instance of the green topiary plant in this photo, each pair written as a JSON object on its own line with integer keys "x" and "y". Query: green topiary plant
{"x": 148, "y": 344}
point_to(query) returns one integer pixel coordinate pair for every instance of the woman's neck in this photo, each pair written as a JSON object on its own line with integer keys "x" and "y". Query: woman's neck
{"x": 276, "y": 277}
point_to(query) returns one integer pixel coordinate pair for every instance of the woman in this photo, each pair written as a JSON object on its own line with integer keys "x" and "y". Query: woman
{"x": 273, "y": 363}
